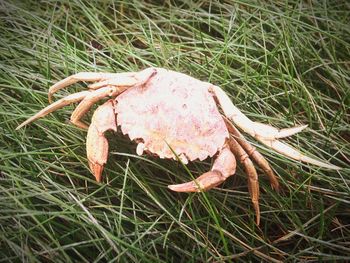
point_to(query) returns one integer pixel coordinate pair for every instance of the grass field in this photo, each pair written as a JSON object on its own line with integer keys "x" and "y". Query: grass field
{"x": 283, "y": 64}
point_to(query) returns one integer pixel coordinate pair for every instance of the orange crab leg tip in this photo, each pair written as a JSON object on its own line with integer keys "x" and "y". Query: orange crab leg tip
{"x": 185, "y": 187}
{"x": 96, "y": 170}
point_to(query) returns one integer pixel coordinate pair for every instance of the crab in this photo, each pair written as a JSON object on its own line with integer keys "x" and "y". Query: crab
{"x": 172, "y": 115}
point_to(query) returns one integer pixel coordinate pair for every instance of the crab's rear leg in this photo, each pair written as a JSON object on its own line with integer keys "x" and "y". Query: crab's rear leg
{"x": 223, "y": 167}
{"x": 255, "y": 129}
{"x": 114, "y": 86}
{"x": 103, "y": 120}
{"x": 265, "y": 133}
{"x": 87, "y": 76}
{"x": 86, "y": 98}
{"x": 253, "y": 183}
{"x": 126, "y": 79}
{"x": 93, "y": 97}
{"x": 75, "y": 97}
{"x": 253, "y": 153}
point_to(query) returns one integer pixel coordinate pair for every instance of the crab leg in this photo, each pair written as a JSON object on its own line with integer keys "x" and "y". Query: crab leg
{"x": 94, "y": 96}
{"x": 254, "y": 154}
{"x": 75, "y": 97}
{"x": 255, "y": 129}
{"x": 104, "y": 79}
{"x": 224, "y": 166}
{"x": 264, "y": 133}
{"x": 87, "y": 98}
{"x": 87, "y": 76}
{"x": 253, "y": 183}
{"x": 289, "y": 151}
{"x": 103, "y": 120}
{"x": 122, "y": 82}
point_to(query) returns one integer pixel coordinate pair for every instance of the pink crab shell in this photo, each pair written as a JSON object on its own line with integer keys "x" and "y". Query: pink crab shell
{"x": 172, "y": 113}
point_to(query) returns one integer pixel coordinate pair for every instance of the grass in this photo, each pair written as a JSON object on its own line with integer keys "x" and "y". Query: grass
{"x": 282, "y": 64}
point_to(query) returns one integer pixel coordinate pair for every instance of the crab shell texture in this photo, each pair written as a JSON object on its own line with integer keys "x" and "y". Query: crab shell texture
{"x": 172, "y": 115}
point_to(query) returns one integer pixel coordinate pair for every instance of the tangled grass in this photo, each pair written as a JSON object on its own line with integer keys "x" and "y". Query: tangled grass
{"x": 286, "y": 63}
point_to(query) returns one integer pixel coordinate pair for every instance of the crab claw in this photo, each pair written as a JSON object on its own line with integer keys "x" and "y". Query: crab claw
{"x": 223, "y": 167}
{"x": 96, "y": 143}
{"x": 204, "y": 182}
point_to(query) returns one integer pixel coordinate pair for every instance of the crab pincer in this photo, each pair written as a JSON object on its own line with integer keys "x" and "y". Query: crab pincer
{"x": 224, "y": 166}
{"x": 96, "y": 143}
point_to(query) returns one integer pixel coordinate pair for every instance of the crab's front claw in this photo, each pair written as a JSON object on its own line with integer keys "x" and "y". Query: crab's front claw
{"x": 96, "y": 143}
{"x": 223, "y": 167}
{"x": 204, "y": 182}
